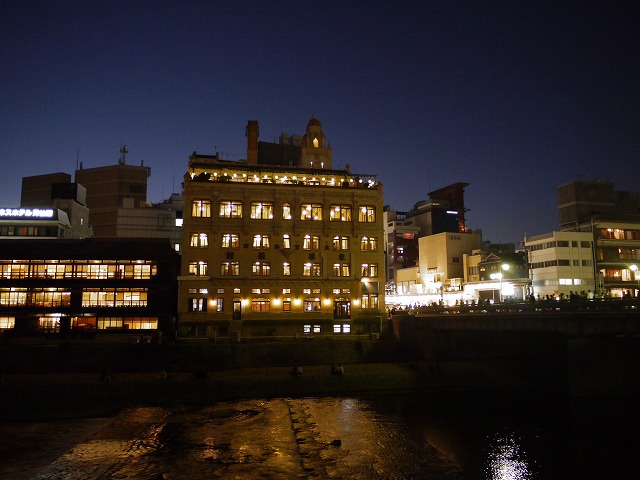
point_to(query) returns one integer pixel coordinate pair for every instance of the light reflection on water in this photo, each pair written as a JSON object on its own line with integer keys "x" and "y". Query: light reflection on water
{"x": 507, "y": 460}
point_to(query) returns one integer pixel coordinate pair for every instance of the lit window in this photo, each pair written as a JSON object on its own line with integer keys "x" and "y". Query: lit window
{"x": 262, "y": 269}
{"x": 369, "y": 244}
{"x": 340, "y": 243}
{"x": 229, "y": 269}
{"x": 261, "y": 241}
{"x": 286, "y": 211}
{"x": 312, "y": 305}
{"x": 261, "y": 210}
{"x": 311, "y": 269}
{"x": 311, "y": 242}
{"x": 230, "y": 240}
{"x": 341, "y": 269}
{"x": 260, "y": 305}
{"x": 231, "y": 209}
{"x": 315, "y": 142}
{"x": 198, "y": 268}
{"x": 7, "y": 323}
{"x": 311, "y": 211}
{"x": 340, "y": 213}
{"x": 369, "y": 301}
{"x": 201, "y": 208}
{"x": 367, "y": 214}
{"x": 286, "y": 304}
{"x": 197, "y": 304}
{"x": 286, "y": 269}
{"x": 220, "y": 304}
{"x": 199, "y": 240}
{"x": 286, "y": 241}
{"x": 369, "y": 270}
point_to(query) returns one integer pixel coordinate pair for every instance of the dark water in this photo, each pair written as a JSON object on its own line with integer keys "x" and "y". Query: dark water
{"x": 400, "y": 436}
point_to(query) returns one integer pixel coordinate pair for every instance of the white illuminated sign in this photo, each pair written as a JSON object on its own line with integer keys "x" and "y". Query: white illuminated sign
{"x": 27, "y": 212}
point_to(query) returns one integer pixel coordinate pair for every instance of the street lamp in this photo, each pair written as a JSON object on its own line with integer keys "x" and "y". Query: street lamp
{"x": 504, "y": 267}
{"x": 634, "y": 269}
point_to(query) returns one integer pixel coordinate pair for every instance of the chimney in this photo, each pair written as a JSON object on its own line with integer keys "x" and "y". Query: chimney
{"x": 252, "y": 142}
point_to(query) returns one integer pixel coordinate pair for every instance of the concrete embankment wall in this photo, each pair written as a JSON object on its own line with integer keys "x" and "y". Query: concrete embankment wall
{"x": 186, "y": 356}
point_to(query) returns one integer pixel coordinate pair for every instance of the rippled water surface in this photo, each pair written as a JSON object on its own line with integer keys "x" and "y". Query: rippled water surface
{"x": 385, "y": 437}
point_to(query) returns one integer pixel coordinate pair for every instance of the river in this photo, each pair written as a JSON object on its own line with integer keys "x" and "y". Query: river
{"x": 390, "y": 436}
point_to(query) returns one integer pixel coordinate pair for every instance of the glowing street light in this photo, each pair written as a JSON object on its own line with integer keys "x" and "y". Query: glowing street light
{"x": 504, "y": 267}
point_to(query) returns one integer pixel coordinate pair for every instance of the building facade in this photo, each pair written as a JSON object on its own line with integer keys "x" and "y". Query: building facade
{"x": 443, "y": 212}
{"x": 561, "y": 263}
{"x": 442, "y": 260}
{"x": 613, "y": 219}
{"x": 104, "y": 289}
{"x": 287, "y": 247}
{"x": 108, "y": 188}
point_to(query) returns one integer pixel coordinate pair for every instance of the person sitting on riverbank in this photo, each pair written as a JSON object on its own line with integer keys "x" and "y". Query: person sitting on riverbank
{"x": 296, "y": 371}
{"x": 337, "y": 369}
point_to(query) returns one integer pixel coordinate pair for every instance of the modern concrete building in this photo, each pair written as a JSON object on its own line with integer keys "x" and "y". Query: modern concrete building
{"x": 24, "y": 223}
{"x": 281, "y": 244}
{"x": 441, "y": 261}
{"x": 443, "y": 212}
{"x": 115, "y": 197}
{"x": 613, "y": 219}
{"x": 67, "y": 200}
{"x": 108, "y": 188}
{"x": 401, "y": 246}
{"x": 93, "y": 289}
{"x": 561, "y": 263}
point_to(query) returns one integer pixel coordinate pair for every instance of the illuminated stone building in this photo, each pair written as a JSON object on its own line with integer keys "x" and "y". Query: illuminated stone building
{"x": 280, "y": 244}
{"x": 94, "y": 289}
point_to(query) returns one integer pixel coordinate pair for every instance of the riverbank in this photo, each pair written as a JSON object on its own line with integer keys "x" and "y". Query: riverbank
{"x": 47, "y": 396}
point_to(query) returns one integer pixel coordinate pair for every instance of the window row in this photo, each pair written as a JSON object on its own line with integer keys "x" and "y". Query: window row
{"x": 52, "y": 324}
{"x": 31, "y": 231}
{"x": 263, "y": 269}
{"x": 618, "y": 234}
{"x": 201, "y": 208}
{"x": 560, "y": 263}
{"x": 55, "y": 269}
{"x": 195, "y": 304}
{"x": 109, "y": 323}
{"x": 59, "y": 297}
{"x": 560, "y": 244}
{"x": 260, "y": 241}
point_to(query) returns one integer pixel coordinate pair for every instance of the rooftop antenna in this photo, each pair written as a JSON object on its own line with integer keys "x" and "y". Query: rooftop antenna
{"x": 123, "y": 155}
{"x": 77, "y": 158}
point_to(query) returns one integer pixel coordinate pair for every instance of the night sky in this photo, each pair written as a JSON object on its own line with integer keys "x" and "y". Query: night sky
{"x": 512, "y": 97}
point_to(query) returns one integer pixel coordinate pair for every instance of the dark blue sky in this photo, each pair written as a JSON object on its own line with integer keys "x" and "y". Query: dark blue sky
{"x": 512, "y": 97}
